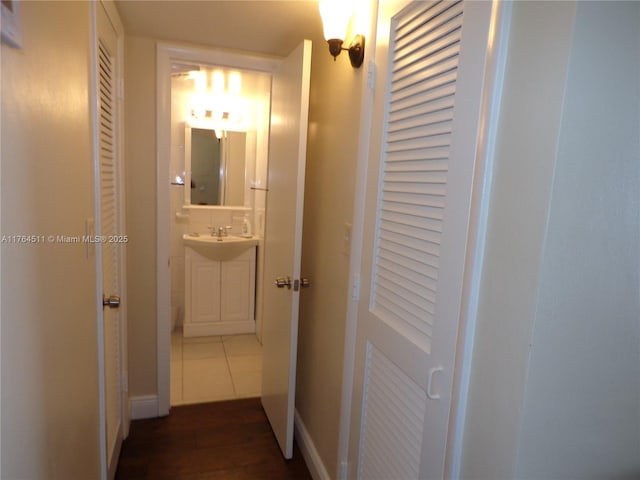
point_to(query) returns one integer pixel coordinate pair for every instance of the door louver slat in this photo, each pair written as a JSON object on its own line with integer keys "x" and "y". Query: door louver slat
{"x": 417, "y": 93}
{"x": 425, "y": 49}
{"x": 393, "y": 415}
{"x": 109, "y": 226}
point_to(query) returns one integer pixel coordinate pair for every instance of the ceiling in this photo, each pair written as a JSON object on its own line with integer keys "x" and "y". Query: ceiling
{"x": 268, "y": 26}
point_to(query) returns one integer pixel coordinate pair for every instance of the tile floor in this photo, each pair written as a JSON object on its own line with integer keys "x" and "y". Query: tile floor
{"x": 209, "y": 369}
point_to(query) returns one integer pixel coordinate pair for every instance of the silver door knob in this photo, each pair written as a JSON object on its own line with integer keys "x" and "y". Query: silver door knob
{"x": 304, "y": 282}
{"x": 282, "y": 282}
{"x": 112, "y": 302}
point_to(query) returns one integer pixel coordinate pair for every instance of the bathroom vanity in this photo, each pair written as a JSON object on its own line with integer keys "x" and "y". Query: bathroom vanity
{"x": 220, "y": 276}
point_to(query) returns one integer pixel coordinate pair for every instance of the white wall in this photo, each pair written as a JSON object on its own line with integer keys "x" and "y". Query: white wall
{"x": 50, "y": 419}
{"x": 581, "y": 415}
{"x": 523, "y": 172}
{"x": 554, "y": 388}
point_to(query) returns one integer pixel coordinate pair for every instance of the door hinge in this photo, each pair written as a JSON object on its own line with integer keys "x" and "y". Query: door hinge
{"x": 344, "y": 470}
{"x": 121, "y": 89}
{"x": 355, "y": 287}
{"x": 371, "y": 75}
{"x": 125, "y": 381}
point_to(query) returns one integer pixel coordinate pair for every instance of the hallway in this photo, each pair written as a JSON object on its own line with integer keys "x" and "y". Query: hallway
{"x": 225, "y": 440}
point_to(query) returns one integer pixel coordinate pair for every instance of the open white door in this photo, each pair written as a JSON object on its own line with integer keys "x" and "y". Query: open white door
{"x": 430, "y": 63}
{"x": 109, "y": 246}
{"x": 283, "y": 240}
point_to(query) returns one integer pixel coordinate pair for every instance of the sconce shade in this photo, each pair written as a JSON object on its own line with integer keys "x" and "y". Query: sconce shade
{"x": 335, "y": 16}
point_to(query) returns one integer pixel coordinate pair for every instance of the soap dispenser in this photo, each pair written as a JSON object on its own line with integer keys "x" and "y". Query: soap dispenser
{"x": 246, "y": 228}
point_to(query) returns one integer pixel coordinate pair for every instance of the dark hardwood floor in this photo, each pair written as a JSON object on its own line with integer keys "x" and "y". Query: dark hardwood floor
{"x": 223, "y": 440}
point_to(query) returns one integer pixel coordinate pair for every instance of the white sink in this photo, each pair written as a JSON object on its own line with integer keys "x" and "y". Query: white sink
{"x": 219, "y": 248}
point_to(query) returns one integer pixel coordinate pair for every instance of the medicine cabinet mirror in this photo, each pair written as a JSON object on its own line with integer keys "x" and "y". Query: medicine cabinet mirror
{"x": 217, "y": 166}
{"x": 220, "y": 119}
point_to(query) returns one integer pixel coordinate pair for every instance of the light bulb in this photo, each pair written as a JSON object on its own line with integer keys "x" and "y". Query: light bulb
{"x": 235, "y": 83}
{"x": 217, "y": 82}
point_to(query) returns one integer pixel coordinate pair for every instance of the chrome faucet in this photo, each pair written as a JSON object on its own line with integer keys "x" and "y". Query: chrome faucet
{"x": 220, "y": 231}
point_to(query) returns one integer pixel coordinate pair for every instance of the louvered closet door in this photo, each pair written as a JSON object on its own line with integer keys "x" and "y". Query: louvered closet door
{"x": 109, "y": 227}
{"x": 426, "y": 112}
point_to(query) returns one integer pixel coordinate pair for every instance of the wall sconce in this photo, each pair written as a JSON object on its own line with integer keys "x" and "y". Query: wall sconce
{"x": 335, "y": 16}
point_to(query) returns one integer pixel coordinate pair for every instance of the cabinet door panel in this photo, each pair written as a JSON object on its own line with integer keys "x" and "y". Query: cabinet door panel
{"x": 235, "y": 291}
{"x": 205, "y": 291}
{"x": 220, "y": 297}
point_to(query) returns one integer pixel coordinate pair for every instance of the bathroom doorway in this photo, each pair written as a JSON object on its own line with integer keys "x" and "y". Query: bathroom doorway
{"x": 218, "y": 166}
{"x": 208, "y": 312}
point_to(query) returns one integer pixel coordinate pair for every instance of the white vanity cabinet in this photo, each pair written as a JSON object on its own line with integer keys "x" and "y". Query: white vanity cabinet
{"x": 220, "y": 294}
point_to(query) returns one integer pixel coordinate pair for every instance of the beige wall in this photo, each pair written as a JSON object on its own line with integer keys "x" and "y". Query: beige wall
{"x": 329, "y": 195}
{"x": 140, "y": 177}
{"x": 49, "y": 352}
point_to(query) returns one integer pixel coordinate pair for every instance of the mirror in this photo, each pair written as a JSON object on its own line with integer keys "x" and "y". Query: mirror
{"x": 216, "y": 166}
{"x": 220, "y": 120}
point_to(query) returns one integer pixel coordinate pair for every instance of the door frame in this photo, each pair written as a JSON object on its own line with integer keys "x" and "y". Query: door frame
{"x": 490, "y": 109}
{"x": 495, "y": 67}
{"x": 94, "y": 249}
{"x": 166, "y": 53}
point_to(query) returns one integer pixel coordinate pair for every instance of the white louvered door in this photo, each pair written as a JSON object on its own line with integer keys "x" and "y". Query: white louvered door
{"x": 109, "y": 228}
{"x": 422, "y": 154}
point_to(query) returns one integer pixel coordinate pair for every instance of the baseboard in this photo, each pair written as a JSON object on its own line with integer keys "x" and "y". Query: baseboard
{"x": 145, "y": 406}
{"x": 308, "y": 449}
